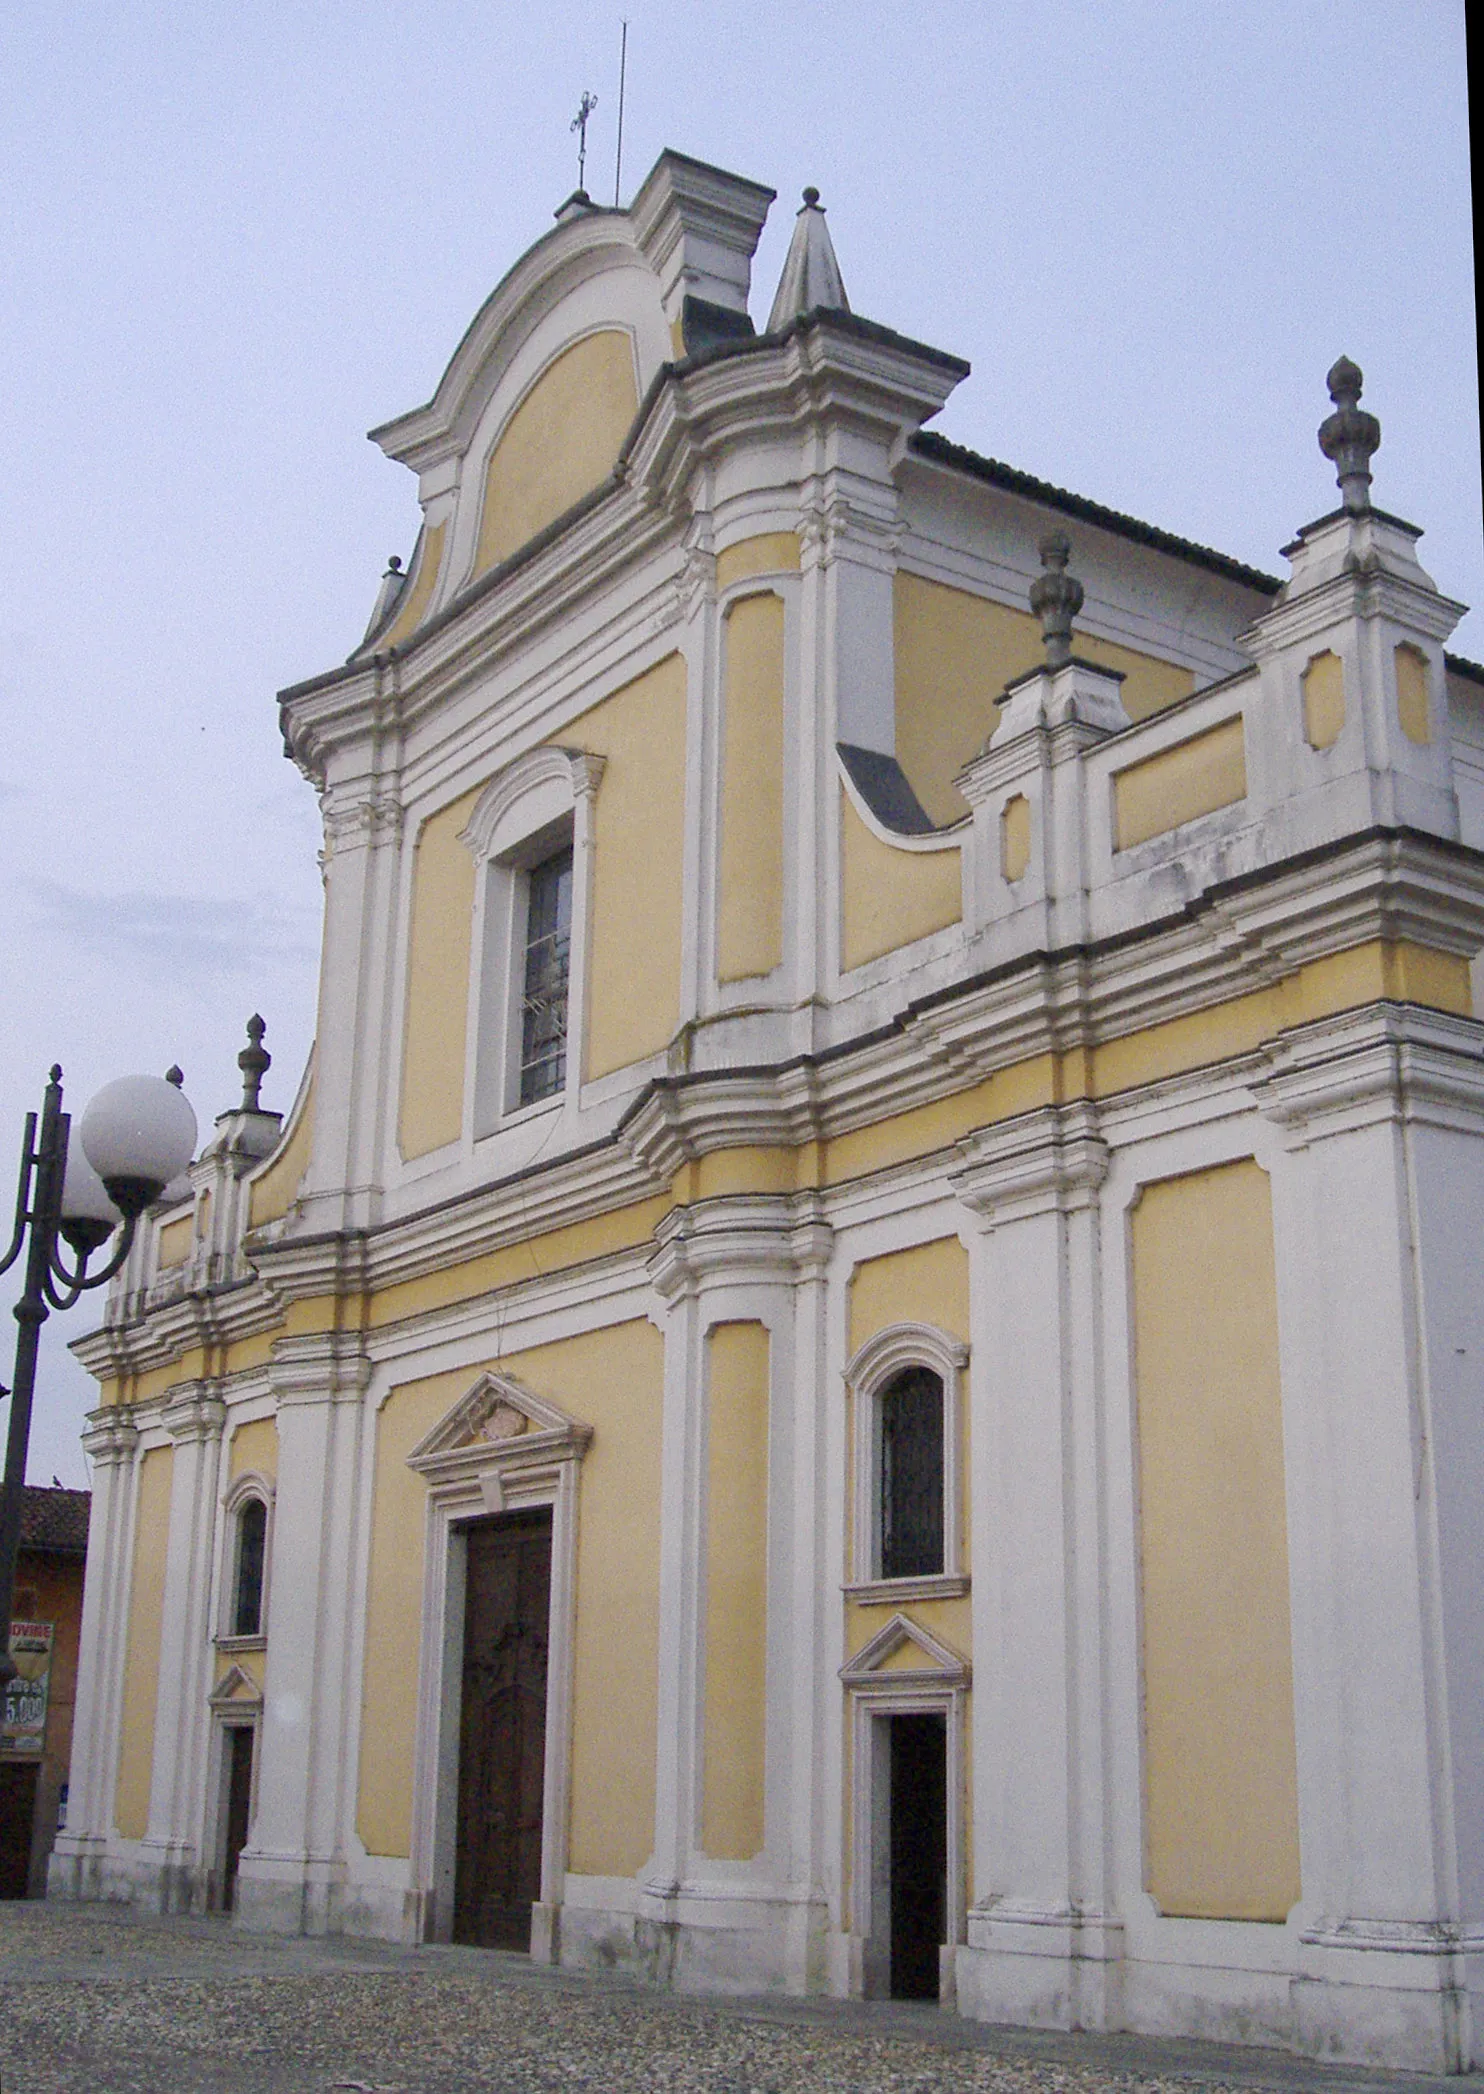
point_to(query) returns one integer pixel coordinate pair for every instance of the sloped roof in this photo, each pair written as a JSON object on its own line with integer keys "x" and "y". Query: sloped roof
{"x": 55, "y": 1520}
{"x": 927, "y": 443}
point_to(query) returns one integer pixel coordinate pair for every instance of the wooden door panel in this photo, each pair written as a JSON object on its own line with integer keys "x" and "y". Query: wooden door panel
{"x": 502, "y": 1732}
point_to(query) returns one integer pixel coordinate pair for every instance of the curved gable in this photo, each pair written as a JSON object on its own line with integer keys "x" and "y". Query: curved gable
{"x": 561, "y": 440}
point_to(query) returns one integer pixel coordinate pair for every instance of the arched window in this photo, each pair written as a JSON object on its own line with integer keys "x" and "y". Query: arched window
{"x": 907, "y": 1520}
{"x": 530, "y": 834}
{"x": 252, "y": 1540}
{"x": 246, "y": 1560}
{"x": 911, "y": 1475}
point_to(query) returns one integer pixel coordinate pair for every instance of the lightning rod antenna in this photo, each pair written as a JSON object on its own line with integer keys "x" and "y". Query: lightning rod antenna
{"x": 623, "y": 57}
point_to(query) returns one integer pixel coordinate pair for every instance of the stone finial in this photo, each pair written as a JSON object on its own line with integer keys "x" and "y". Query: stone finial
{"x": 254, "y": 1061}
{"x": 811, "y": 275}
{"x": 1350, "y": 437}
{"x": 1056, "y": 598}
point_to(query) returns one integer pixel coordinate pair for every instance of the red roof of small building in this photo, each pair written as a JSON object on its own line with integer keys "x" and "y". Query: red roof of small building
{"x": 55, "y": 1521}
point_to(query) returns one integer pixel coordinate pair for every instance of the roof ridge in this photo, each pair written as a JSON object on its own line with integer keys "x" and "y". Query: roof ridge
{"x": 928, "y": 443}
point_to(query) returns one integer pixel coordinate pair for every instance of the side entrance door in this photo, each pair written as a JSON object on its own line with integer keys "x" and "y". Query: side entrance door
{"x": 502, "y": 1729}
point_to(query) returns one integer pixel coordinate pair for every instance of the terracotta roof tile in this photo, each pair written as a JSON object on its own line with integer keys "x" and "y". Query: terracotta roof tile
{"x": 55, "y": 1520}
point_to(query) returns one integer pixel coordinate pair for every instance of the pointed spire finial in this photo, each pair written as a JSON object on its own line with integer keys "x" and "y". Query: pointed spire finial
{"x": 811, "y": 275}
{"x": 1350, "y": 437}
{"x": 1056, "y": 598}
{"x": 175, "y": 1074}
{"x": 254, "y": 1061}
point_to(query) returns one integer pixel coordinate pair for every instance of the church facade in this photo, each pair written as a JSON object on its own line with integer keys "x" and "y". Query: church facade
{"x": 858, "y": 1367}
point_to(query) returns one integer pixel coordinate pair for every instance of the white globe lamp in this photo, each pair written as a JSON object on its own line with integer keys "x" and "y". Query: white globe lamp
{"x": 138, "y": 1133}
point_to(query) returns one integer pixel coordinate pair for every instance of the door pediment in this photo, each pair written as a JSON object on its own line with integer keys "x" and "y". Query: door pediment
{"x": 498, "y": 1429}
{"x": 904, "y": 1653}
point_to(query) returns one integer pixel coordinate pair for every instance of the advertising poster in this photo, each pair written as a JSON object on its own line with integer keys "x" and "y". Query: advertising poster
{"x": 23, "y": 1729}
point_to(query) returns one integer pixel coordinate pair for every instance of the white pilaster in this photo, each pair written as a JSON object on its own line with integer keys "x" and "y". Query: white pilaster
{"x": 355, "y": 1043}
{"x": 1383, "y": 1115}
{"x": 1043, "y": 1944}
{"x": 194, "y": 1418}
{"x": 76, "y": 1867}
{"x": 758, "y": 1924}
{"x": 293, "y": 1868}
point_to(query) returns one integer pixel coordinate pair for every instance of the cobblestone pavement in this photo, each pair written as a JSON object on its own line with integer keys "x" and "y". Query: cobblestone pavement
{"x": 94, "y": 1998}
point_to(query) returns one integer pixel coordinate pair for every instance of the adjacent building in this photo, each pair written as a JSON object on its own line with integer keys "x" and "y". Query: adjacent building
{"x": 36, "y": 1733}
{"x": 858, "y": 1367}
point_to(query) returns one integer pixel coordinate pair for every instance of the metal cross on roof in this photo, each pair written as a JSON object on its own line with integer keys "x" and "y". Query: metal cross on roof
{"x": 585, "y": 109}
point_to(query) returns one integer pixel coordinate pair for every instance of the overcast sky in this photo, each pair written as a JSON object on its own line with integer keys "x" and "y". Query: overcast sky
{"x": 236, "y": 238}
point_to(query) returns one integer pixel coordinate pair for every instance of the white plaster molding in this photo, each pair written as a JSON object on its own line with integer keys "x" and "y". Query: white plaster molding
{"x": 194, "y": 1411}
{"x": 111, "y": 1437}
{"x": 741, "y": 1237}
{"x": 499, "y": 822}
{"x": 1052, "y": 1159}
{"x": 367, "y": 819}
{"x": 495, "y": 1432}
{"x": 319, "y": 1367}
{"x": 227, "y": 1699}
{"x": 1381, "y": 1062}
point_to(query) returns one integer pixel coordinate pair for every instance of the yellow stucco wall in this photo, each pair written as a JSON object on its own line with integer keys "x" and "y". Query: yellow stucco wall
{"x": 562, "y": 439}
{"x": 1177, "y": 785}
{"x": 176, "y": 1239}
{"x": 435, "y": 1032}
{"x": 1323, "y": 685}
{"x": 638, "y": 866}
{"x": 1220, "y": 1772}
{"x": 275, "y": 1192}
{"x": 749, "y": 927}
{"x": 955, "y": 652}
{"x": 888, "y": 896}
{"x": 614, "y": 1381}
{"x": 771, "y": 552}
{"x": 1015, "y": 837}
{"x": 1412, "y": 706}
{"x": 736, "y": 1591}
{"x": 142, "y": 1652}
{"x": 255, "y": 1447}
{"x": 421, "y": 584}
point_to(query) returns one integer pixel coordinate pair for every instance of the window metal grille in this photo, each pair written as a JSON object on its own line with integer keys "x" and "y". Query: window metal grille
{"x": 543, "y": 1028}
{"x": 252, "y": 1532}
{"x": 912, "y": 1475}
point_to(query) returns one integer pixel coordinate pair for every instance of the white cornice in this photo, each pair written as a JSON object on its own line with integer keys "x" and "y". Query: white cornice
{"x": 816, "y": 372}
{"x": 1252, "y": 935}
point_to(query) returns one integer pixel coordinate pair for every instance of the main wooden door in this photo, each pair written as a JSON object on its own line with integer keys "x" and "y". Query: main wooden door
{"x": 502, "y": 1729}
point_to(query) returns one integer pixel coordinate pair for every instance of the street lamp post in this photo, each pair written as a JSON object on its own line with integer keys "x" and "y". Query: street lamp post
{"x": 136, "y": 1135}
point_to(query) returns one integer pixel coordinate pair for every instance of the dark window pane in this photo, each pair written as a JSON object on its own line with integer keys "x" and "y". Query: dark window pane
{"x": 912, "y": 1475}
{"x": 543, "y": 1023}
{"x": 252, "y": 1531}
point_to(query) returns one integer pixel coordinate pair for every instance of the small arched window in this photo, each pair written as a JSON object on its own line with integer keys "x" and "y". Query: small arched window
{"x": 247, "y": 1597}
{"x": 911, "y": 1473}
{"x": 906, "y": 1395}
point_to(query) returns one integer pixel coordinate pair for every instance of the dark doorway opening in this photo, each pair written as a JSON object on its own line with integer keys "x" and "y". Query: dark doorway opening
{"x": 17, "y": 1824}
{"x": 919, "y": 1852}
{"x": 237, "y": 1753}
{"x": 502, "y": 1729}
